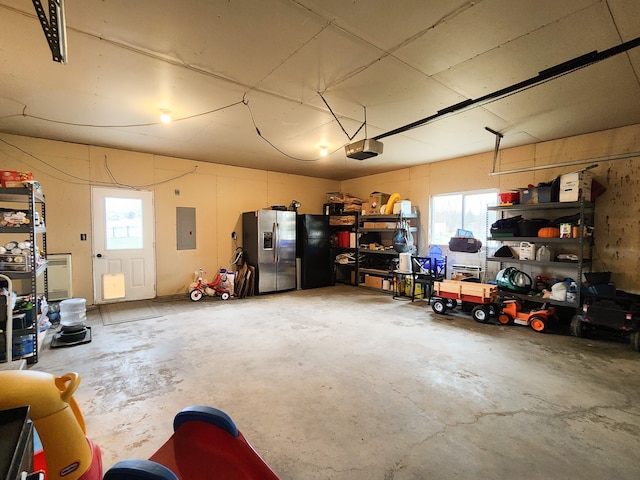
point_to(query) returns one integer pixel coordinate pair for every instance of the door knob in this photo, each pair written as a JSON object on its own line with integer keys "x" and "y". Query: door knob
{"x": 99, "y": 255}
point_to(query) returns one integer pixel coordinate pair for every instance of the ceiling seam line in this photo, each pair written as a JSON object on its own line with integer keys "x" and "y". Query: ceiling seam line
{"x": 304, "y": 44}
{"x": 179, "y": 63}
{"x": 631, "y": 64}
{"x": 394, "y": 48}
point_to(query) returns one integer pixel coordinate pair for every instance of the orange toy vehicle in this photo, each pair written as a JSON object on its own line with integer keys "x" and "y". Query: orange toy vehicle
{"x": 537, "y": 319}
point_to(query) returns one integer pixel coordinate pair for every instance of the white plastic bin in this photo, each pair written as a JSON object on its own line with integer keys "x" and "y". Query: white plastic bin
{"x": 73, "y": 311}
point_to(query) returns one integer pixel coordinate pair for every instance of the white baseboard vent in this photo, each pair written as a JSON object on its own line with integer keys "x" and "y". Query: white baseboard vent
{"x": 59, "y": 277}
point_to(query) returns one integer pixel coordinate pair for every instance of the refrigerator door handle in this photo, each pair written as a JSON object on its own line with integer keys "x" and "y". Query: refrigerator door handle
{"x": 275, "y": 242}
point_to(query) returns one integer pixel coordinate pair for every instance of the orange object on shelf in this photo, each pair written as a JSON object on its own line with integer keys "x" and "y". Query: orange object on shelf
{"x": 549, "y": 232}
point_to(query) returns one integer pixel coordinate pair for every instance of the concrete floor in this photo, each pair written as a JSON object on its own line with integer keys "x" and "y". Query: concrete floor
{"x": 346, "y": 383}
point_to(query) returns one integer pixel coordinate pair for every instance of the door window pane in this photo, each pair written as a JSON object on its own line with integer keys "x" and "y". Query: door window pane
{"x": 123, "y": 223}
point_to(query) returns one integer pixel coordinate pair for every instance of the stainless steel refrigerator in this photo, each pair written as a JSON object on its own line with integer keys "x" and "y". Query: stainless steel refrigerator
{"x": 269, "y": 244}
{"x": 314, "y": 252}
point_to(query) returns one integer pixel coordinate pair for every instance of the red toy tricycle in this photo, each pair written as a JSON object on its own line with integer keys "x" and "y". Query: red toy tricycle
{"x": 201, "y": 287}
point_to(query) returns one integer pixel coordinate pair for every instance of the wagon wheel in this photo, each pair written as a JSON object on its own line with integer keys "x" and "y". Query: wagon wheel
{"x": 452, "y": 303}
{"x": 537, "y": 323}
{"x": 635, "y": 341}
{"x": 225, "y": 296}
{"x": 195, "y": 295}
{"x": 438, "y": 306}
{"x": 481, "y": 313}
{"x": 494, "y": 310}
{"x": 505, "y": 319}
{"x": 577, "y": 328}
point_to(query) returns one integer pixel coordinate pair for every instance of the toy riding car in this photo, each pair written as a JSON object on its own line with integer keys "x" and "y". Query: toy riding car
{"x": 619, "y": 314}
{"x": 538, "y": 319}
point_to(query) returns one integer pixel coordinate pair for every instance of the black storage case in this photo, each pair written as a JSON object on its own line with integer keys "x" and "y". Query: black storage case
{"x": 16, "y": 447}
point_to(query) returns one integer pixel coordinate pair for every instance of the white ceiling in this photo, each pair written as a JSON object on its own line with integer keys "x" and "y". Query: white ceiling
{"x": 401, "y": 60}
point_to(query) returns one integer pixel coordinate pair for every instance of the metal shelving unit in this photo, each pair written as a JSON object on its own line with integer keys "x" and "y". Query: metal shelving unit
{"x": 581, "y": 246}
{"x": 383, "y": 258}
{"x": 32, "y": 202}
{"x": 344, "y": 272}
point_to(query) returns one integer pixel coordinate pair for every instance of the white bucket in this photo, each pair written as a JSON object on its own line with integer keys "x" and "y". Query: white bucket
{"x": 73, "y": 311}
{"x": 405, "y": 263}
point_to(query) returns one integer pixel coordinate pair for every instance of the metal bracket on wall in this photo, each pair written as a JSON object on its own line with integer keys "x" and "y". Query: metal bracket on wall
{"x": 497, "y": 147}
{"x": 54, "y": 28}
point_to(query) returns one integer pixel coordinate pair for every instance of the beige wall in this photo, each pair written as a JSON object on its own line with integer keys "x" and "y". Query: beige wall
{"x": 221, "y": 193}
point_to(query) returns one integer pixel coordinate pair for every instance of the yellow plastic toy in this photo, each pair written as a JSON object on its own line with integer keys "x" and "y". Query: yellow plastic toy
{"x": 392, "y": 200}
{"x": 69, "y": 454}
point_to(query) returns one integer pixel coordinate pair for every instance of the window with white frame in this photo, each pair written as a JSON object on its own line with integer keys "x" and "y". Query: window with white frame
{"x": 467, "y": 211}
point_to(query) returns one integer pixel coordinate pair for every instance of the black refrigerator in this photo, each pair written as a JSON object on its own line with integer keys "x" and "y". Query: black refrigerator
{"x": 312, "y": 248}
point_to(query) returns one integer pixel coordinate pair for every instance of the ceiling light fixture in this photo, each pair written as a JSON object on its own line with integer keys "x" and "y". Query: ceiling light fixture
{"x": 165, "y": 116}
{"x": 324, "y": 151}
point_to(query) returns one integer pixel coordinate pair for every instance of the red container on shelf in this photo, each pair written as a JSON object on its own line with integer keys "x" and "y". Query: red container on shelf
{"x": 508, "y": 198}
{"x": 343, "y": 239}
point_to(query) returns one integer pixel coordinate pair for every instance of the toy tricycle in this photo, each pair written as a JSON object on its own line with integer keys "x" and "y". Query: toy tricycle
{"x": 537, "y": 318}
{"x": 201, "y": 287}
{"x": 482, "y": 296}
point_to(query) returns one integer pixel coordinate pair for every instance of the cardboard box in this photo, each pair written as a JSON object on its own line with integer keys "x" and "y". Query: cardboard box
{"x": 377, "y": 200}
{"x": 575, "y": 186}
{"x": 372, "y": 281}
{"x": 335, "y": 220}
{"x": 530, "y": 196}
{"x": 369, "y": 208}
{"x": 13, "y": 177}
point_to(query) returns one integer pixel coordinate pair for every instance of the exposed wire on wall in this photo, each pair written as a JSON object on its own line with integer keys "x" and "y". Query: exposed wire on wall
{"x": 86, "y": 181}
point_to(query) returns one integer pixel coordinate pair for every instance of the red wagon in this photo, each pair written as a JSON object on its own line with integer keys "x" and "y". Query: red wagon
{"x": 448, "y": 293}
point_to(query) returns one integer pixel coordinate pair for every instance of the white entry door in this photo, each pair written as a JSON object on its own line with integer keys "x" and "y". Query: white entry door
{"x": 123, "y": 245}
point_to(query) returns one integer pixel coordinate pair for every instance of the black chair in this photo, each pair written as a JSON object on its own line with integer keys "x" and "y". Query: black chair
{"x": 425, "y": 271}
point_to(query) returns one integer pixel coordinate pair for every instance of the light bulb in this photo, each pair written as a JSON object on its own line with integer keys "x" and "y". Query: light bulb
{"x": 324, "y": 151}
{"x": 165, "y": 116}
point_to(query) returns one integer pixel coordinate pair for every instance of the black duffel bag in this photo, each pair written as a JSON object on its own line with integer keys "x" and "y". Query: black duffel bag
{"x": 529, "y": 228}
{"x": 465, "y": 244}
{"x": 506, "y": 225}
